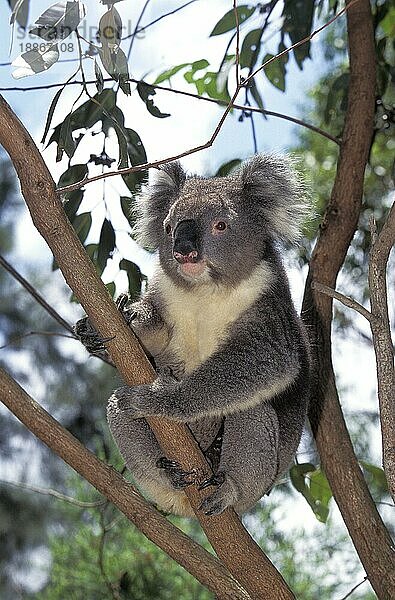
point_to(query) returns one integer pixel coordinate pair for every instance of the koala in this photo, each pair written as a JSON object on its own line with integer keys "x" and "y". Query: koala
{"x": 219, "y": 324}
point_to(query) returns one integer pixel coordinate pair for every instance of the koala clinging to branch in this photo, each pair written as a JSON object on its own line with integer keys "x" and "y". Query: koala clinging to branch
{"x": 219, "y": 323}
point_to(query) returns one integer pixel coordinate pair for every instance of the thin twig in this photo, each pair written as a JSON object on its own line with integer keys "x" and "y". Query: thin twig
{"x": 242, "y": 107}
{"x": 237, "y": 43}
{"x": 136, "y": 29}
{"x": 354, "y": 588}
{"x": 54, "y": 494}
{"x": 33, "y": 292}
{"x": 37, "y": 296}
{"x": 346, "y": 300}
{"x": 18, "y": 338}
{"x": 102, "y": 540}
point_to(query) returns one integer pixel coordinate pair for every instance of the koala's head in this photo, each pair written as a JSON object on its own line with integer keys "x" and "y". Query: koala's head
{"x": 219, "y": 229}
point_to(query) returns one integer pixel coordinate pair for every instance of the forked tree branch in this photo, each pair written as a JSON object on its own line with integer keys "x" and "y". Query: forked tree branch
{"x": 371, "y": 539}
{"x": 205, "y": 567}
{"x": 230, "y": 540}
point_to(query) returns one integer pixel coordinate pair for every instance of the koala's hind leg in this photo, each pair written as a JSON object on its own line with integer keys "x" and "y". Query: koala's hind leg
{"x": 141, "y": 453}
{"x": 249, "y": 460}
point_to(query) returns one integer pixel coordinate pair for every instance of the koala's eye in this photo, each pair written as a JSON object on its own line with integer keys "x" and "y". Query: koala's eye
{"x": 168, "y": 229}
{"x": 220, "y": 226}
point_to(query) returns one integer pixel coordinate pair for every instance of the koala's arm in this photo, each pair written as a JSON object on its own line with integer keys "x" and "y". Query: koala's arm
{"x": 263, "y": 356}
{"x": 142, "y": 316}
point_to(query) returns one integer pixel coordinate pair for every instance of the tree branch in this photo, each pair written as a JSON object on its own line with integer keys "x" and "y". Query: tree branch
{"x": 54, "y": 494}
{"x": 382, "y": 342}
{"x": 364, "y": 524}
{"x": 256, "y": 109}
{"x": 230, "y": 540}
{"x": 205, "y": 567}
{"x": 346, "y": 300}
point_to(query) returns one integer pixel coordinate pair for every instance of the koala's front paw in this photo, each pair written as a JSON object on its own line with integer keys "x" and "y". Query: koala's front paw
{"x": 224, "y": 496}
{"x": 156, "y": 400}
{"x": 135, "y": 400}
{"x": 88, "y": 335}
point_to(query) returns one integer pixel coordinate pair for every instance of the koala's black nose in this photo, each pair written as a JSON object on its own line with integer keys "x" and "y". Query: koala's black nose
{"x": 185, "y": 244}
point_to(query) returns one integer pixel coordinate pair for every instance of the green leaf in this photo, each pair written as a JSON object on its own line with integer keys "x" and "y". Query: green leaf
{"x": 250, "y": 48}
{"x": 256, "y": 95}
{"x": 83, "y": 117}
{"x": 337, "y": 97}
{"x": 298, "y": 22}
{"x": 228, "y": 21}
{"x": 145, "y": 91}
{"x": 73, "y": 174}
{"x": 314, "y": 488}
{"x": 227, "y": 167}
{"x": 165, "y": 76}
{"x": 275, "y": 71}
{"x": 51, "y": 112}
{"x": 91, "y": 250}
{"x": 99, "y": 78}
{"x": 82, "y": 224}
{"x": 377, "y": 475}
{"x": 134, "y": 277}
{"x": 137, "y": 156}
{"x": 106, "y": 244}
{"x": 111, "y": 288}
{"x": 198, "y": 65}
{"x": 72, "y": 203}
{"x": 127, "y": 209}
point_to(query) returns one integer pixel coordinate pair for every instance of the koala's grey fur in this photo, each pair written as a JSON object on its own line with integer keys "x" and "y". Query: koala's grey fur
{"x": 225, "y": 325}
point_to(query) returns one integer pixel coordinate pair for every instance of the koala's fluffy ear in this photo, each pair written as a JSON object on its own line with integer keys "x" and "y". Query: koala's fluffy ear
{"x": 155, "y": 201}
{"x": 272, "y": 185}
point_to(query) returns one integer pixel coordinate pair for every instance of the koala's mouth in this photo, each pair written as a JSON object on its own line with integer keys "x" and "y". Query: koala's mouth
{"x": 193, "y": 269}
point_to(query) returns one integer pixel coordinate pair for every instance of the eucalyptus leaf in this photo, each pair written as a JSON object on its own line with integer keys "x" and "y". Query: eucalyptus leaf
{"x": 72, "y": 203}
{"x": 111, "y": 288}
{"x": 50, "y": 113}
{"x": 106, "y": 244}
{"x": 145, "y": 91}
{"x": 228, "y": 21}
{"x": 227, "y": 167}
{"x": 166, "y": 75}
{"x": 20, "y": 12}
{"x": 110, "y": 29}
{"x": 35, "y": 61}
{"x": 134, "y": 277}
{"x": 275, "y": 71}
{"x": 59, "y": 21}
{"x": 250, "y": 48}
{"x": 82, "y": 224}
{"x": 99, "y": 78}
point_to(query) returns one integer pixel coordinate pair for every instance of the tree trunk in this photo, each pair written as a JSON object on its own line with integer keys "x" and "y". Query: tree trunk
{"x": 370, "y": 537}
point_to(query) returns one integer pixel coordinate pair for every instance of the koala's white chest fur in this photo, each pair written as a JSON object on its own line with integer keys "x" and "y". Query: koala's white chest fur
{"x": 200, "y": 318}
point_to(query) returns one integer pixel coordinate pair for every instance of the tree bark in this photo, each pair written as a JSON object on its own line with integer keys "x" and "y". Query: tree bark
{"x": 382, "y": 342}
{"x": 232, "y": 543}
{"x": 364, "y": 524}
{"x": 200, "y": 563}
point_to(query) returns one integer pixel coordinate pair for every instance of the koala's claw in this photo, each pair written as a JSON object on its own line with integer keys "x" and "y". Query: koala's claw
{"x": 216, "y": 480}
{"x": 88, "y": 335}
{"x": 179, "y": 478}
{"x": 224, "y": 496}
